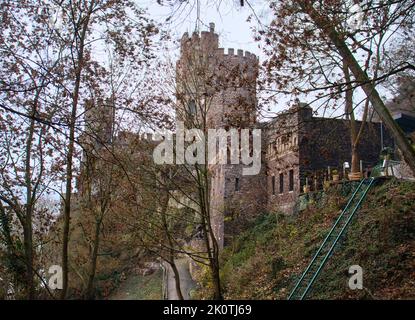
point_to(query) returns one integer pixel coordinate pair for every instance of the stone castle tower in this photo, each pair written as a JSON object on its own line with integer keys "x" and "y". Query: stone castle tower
{"x": 99, "y": 121}
{"x": 217, "y": 90}
{"x": 217, "y": 86}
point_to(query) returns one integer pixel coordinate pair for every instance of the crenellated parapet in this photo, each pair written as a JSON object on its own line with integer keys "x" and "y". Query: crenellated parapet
{"x": 237, "y": 54}
{"x": 206, "y": 40}
{"x": 227, "y": 76}
{"x": 207, "y": 43}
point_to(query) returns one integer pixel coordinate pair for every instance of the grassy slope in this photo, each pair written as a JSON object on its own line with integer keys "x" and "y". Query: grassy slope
{"x": 264, "y": 262}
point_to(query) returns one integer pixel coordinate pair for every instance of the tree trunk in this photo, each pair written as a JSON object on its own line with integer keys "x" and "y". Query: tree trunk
{"x": 368, "y": 87}
{"x": 93, "y": 266}
{"x": 164, "y": 204}
{"x": 217, "y": 291}
{"x": 68, "y": 192}
{"x": 214, "y": 258}
{"x": 28, "y": 250}
{"x": 176, "y": 279}
{"x": 354, "y": 140}
{"x": 213, "y": 253}
{"x": 355, "y": 166}
{"x": 69, "y": 173}
{"x": 27, "y": 220}
{"x": 212, "y": 247}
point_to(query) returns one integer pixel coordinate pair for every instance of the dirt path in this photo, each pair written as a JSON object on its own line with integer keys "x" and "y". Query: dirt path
{"x": 138, "y": 287}
{"x": 186, "y": 282}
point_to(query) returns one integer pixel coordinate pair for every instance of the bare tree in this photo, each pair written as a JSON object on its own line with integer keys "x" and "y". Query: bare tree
{"x": 313, "y": 40}
{"x": 85, "y": 24}
{"x": 27, "y": 98}
{"x": 51, "y": 50}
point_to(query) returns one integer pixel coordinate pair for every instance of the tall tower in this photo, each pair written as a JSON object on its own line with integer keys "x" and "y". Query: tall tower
{"x": 98, "y": 132}
{"x": 213, "y": 85}
{"x": 99, "y": 122}
{"x": 217, "y": 90}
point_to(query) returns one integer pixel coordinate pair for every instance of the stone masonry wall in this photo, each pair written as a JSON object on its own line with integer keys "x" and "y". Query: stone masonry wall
{"x": 222, "y": 86}
{"x": 308, "y": 145}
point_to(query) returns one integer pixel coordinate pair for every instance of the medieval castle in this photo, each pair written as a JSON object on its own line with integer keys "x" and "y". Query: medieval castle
{"x": 217, "y": 89}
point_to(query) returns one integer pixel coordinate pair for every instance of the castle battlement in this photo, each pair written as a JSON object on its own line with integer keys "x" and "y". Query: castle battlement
{"x": 238, "y": 53}
{"x": 208, "y": 42}
{"x": 227, "y": 75}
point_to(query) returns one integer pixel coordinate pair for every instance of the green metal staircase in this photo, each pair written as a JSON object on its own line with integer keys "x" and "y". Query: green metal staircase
{"x": 322, "y": 255}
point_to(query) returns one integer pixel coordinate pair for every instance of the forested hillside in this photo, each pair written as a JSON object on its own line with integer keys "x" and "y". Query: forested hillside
{"x": 265, "y": 261}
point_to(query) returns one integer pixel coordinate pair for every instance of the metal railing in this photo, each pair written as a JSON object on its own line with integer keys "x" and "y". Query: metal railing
{"x": 326, "y": 249}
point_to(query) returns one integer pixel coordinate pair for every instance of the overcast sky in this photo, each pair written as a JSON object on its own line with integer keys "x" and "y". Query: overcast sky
{"x": 230, "y": 23}
{"x": 229, "y": 18}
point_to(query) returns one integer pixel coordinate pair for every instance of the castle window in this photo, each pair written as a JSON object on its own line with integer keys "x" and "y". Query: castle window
{"x": 237, "y": 186}
{"x": 291, "y": 180}
{"x": 284, "y": 139}
{"x": 273, "y": 185}
{"x": 281, "y": 183}
{"x": 191, "y": 107}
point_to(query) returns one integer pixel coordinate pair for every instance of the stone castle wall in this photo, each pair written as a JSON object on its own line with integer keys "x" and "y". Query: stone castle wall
{"x": 307, "y": 146}
{"x": 283, "y": 158}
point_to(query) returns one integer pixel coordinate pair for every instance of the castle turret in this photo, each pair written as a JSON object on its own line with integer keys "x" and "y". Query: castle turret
{"x": 213, "y": 85}
{"x": 98, "y": 132}
{"x": 99, "y": 122}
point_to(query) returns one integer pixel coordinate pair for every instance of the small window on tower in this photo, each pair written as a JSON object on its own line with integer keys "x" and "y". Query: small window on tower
{"x": 237, "y": 187}
{"x": 192, "y": 107}
{"x": 291, "y": 176}
{"x": 281, "y": 183}
{"x": 273, "y": 185}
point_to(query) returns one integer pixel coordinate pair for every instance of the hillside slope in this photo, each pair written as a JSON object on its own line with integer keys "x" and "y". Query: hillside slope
{"x": 264, "y": 262}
